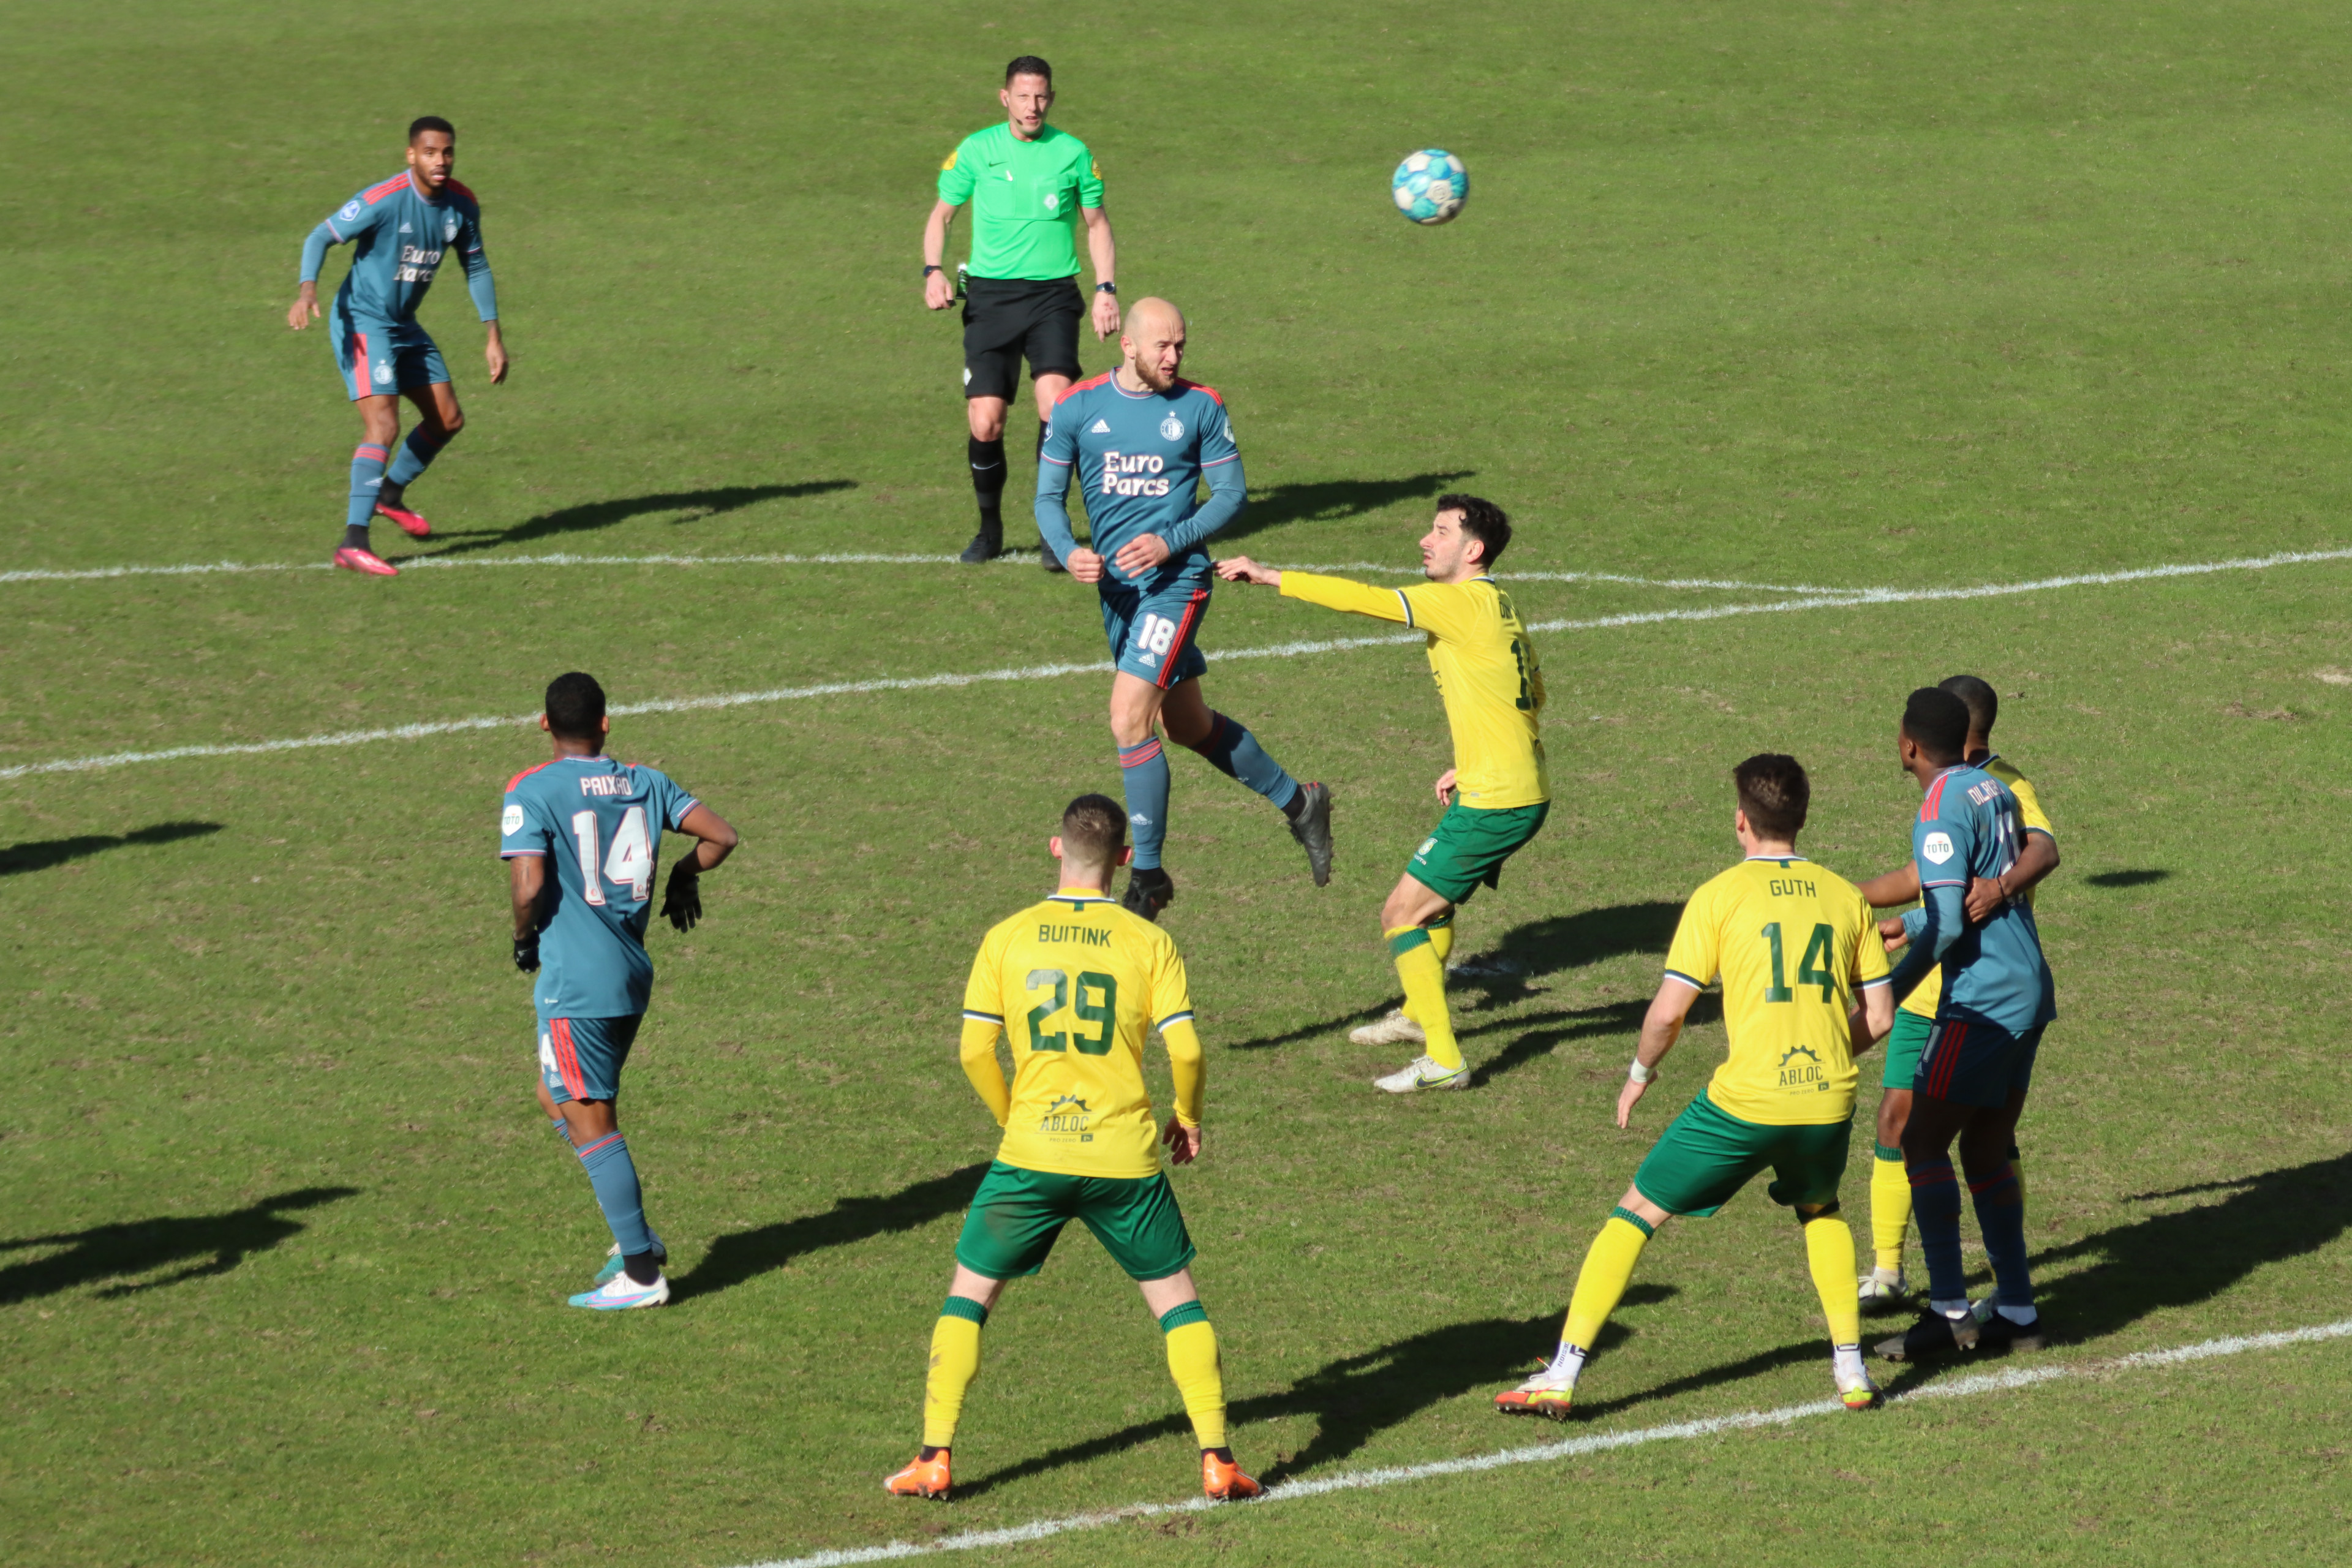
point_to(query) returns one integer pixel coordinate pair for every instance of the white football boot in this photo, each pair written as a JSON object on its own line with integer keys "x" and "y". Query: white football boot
{"x": 1396, "y": 1029}
{"x": 1883, "y": 1291}
{"x": 1424, "y": 1074}
{"x": 621, "y": 1293}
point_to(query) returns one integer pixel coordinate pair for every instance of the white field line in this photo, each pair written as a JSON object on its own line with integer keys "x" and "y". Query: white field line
{"x": 1836, "y": 599}
{"x": 1011, "y": 557}
{"x": 1572, "y": 1447}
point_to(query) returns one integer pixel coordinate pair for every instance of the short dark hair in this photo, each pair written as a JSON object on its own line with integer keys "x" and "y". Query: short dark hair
{"x": 1028, "y": 65}
{"x": 1094, "y": 830}
{"x": 423, "y": 123}
{"x": 575, "y": 704}
{"x": 1937, "y": 722}
{"x": 1482, "y": 520}
{"x": 1984, "y": 702}
{"x": 1775, "y": 793}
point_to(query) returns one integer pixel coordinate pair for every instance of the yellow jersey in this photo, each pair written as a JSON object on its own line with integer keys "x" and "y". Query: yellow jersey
{"x": 1076, "y": 982}
{"x": 1485, "y": 666}
{"x": 1931, "y": 990}
{"x": 1793, "y": 944}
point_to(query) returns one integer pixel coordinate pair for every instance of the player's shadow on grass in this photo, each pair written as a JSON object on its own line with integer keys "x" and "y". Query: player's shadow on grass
{"x": 1574, "y": 1024}
{"x": 1357, "y": 1397}
{"x": 746, "y": 1255}
{"x": 1329, "y": 501}
{"x": 39, "y": 854}
{"x": 695, "y": 505}
{"x": 1505, "y": 974}
{"x": 204, "y": 1243}
{"x": 2190, "y": 1254}
{"x": 2126, "y": 878}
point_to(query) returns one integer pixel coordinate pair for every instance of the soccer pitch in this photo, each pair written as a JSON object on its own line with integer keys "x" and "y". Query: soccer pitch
{"x": 1818, "y": 352}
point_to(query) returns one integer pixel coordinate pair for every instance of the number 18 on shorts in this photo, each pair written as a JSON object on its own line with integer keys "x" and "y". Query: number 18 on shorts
{"x": 1151, "y": 635}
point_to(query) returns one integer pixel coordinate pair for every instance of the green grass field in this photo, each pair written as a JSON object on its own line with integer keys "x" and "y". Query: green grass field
{"x": 1854, "y": 296}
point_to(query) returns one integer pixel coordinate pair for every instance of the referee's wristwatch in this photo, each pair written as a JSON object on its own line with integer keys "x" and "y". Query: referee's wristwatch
{"x": 927, "y": 270}
{"x": 1109, "y": 289}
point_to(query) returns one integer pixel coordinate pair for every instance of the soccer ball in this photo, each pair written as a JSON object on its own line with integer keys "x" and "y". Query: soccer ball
{"x": 1430, "y": 187}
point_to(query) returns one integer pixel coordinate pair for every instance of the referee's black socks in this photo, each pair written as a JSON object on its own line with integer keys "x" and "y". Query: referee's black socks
{"x": 988, "y": 483}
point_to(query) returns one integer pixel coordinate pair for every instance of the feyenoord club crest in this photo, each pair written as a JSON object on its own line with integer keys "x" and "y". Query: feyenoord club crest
{"x": 1171, "y": 428}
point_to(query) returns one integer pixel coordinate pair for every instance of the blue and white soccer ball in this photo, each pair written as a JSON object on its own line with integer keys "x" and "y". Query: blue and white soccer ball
{"x": 1430, "y": 186}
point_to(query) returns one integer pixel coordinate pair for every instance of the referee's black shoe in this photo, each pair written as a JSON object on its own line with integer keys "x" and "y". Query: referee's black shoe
{"x": 986, "y": 545}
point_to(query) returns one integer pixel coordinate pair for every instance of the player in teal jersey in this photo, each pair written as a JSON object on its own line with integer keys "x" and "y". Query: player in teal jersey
{"x": 405, "y": 228}
{"x": 1998, "y": 997}
{"x": 597, "y": 825}
{"x": 1030, "y": 185}
{"x": 1140, "y": 440}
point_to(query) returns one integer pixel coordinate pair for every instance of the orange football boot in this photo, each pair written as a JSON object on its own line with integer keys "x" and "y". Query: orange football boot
{"x": 366, "y": 561}
{"x": 1221, "y": 1481}
{"x": 922, "y": 1478}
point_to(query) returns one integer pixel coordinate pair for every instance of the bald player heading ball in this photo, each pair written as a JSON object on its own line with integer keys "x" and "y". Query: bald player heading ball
{"x": 1140, "y": 440}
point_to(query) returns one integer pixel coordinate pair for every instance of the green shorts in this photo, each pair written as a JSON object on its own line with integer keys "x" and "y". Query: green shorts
{"x": 1017, "y": 1215}
{"x": 1704, "y": 1156}
{"x": 1469, "y": 846}
{"x": 1903, "y": 1047}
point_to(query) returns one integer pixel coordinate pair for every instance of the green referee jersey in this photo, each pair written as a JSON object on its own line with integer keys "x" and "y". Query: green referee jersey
{"x": 1024, "y": 197}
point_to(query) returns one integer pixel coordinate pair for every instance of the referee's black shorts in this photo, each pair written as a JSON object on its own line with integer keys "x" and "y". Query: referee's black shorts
{"x": 1007, "y": 320}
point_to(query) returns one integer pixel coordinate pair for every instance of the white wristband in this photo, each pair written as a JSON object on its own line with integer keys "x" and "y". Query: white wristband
{"x": 1638, "y": 1073}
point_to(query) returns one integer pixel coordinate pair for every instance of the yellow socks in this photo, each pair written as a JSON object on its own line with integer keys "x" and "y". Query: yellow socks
{"x": 1200, "y": 1378}
{"x": 1828, "y": 1251}
{"x": 1608, "y": 1265}
{"x": 1424, "y": 974}
{"x": 1441, "y": 936}
{"x": 1890, "y": 1207}
{"x": 955, "y": 1362}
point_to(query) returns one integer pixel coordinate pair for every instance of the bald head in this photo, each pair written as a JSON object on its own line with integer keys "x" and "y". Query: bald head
{"x": 1154, "y": 342}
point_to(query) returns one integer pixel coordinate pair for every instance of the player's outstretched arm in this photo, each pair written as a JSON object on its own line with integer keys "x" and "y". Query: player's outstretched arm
{"x": 1660, "y": 1029}
{"x": 1894, "y": 889}
{"x": 1242, "y": 569}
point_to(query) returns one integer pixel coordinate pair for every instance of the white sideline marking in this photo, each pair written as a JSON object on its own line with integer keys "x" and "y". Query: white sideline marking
{"x": 1011, "y": 557}
{"x": 1543, "y": 1453}
{"x": 1833, "y": 599}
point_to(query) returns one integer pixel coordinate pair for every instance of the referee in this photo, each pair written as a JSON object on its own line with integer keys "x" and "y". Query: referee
{"x": 1032, "y": 182}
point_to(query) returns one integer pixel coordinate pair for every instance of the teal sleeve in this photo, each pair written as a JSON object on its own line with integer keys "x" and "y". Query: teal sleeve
{"x": 1941, "y": 918}
{"x": 314, "y": 251}
{"x": 1227, "y": 491}
{"x": 477, "y": 278}
{"x": 1057, "y": 461}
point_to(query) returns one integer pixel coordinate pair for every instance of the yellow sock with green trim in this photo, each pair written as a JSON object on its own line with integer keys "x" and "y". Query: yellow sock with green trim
{"x": 1608, "y": 1265}
{"x": 1441, "y": 937}
{"x": 1200, "y": 1377}
{"x": 1890, "y": 1207}
{"x": 1424, "y": 974}
{"x": 955, "y": 1362}
{"x": 1829, "y": 1252}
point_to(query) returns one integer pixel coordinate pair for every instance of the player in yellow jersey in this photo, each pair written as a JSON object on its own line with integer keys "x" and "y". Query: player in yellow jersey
{"x": 1076, "y": 982}
{"x": 1793, "y": 944}
{"x": 1497, "y": 795}
{"x": 1884, "y": 1288}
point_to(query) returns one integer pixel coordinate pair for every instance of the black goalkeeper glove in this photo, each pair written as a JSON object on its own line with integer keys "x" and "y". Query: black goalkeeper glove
{"x": 526, "y": 954}
{"x": 682, "y": 899}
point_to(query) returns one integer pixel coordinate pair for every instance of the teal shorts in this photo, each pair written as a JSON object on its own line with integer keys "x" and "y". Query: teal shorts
{"x": 1018, "y": 1214}
{"x": 1704, "y": 1156}
{"x": 581, "y": 1058}
{"x": 1468, "y": 847}
{"x": 1903, "y": 1044}
{"x": 378, "y": 357}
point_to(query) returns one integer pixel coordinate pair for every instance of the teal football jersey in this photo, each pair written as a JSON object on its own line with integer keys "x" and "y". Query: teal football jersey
{"x": 1970, "y": 825}
{"x": 403, "y": 242}
{"x": 599, "y": 825}
{"x": 1139, "y": 457}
